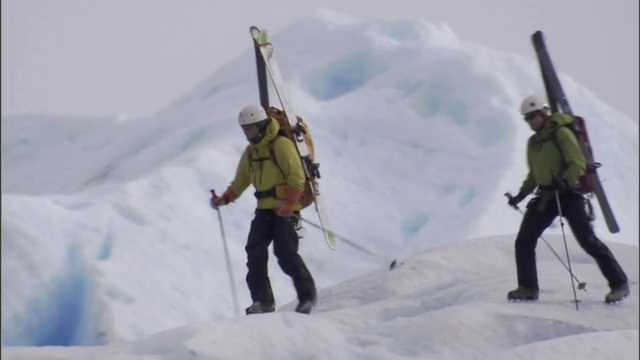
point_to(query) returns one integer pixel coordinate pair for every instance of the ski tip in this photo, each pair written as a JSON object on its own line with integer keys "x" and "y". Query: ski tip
{"x": 331, "y": 240}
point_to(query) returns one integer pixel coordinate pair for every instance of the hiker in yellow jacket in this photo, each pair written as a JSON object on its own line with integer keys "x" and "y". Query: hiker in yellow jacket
{"x": 278, "y": 187}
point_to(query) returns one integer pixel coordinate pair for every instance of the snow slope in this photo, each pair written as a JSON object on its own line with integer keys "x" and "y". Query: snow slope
{"x": 106, "y": 224}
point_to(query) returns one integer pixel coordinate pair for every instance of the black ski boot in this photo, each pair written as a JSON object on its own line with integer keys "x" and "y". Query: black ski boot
{"x": 617, "y": 293}
{"x": 308, "y": 302}
{"x": 260, "y": 308}
{"x": 522, "y": 294}
{"x": 305, "y": 307}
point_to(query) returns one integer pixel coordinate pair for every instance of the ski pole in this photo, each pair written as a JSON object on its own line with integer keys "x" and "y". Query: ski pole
{"x": 575, "y": 297}
{"x": 347, "y": 241}
{"x": 581, "y": 285}
{"x": 232, "y": 284}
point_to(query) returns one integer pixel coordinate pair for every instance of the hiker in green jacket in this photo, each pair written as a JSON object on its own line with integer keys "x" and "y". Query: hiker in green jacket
{"x": 278, "y": 190}
{"x": 556, "y": 163}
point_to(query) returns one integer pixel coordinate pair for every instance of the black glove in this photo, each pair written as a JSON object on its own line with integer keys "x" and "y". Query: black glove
{"x": 559, "y": 185}
{"x": 515, "y": 200}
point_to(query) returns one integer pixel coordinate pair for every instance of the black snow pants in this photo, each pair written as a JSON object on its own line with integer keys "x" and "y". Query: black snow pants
{"x": 266, "y": 227}
{"x": 540, "y": 213}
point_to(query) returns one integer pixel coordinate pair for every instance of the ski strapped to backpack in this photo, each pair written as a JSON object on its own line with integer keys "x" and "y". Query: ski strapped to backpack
{"x": 292, "y": 126}
{"x": 559, "y": 103}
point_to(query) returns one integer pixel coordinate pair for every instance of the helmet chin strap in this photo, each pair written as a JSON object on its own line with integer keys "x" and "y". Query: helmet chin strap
{"x": 257, "y": 139}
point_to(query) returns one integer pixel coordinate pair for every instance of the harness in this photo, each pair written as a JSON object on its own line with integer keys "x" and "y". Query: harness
{"x": 272, "y": 156}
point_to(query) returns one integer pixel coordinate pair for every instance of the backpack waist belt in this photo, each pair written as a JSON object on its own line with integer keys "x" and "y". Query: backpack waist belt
{"x": 265, "y": 194}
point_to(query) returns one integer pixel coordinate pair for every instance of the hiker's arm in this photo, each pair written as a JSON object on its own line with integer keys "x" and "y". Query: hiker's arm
{"x": 573, "y": 156}
{"x": 241, "y": 181}
{"x": 529, "y": 184}
{"x": 290, "y": 163}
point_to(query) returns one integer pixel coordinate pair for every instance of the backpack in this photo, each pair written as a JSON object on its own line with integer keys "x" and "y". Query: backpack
{"x": 580, "y": 131}
{"x": 309, "y": 164}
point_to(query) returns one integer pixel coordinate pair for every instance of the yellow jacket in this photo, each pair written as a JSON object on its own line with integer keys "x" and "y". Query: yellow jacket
{"x": 256, "y": 167}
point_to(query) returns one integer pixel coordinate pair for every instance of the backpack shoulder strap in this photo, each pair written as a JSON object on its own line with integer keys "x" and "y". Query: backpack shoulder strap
{"x": 554, "y": 138}
{"x": 272, "y": 152}
{"x": 554, "y": 135}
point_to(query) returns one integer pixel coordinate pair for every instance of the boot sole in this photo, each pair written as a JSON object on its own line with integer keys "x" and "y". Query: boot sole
{"x": 258, "y": 312}
{"x": 616, "y": 300}
{"x": 522, "y": 299}
{"x": 304, "y": 311}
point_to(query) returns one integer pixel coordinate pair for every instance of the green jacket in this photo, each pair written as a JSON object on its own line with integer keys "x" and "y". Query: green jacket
{"x": 256, "y": 167}
{"x": 543, "y": 156}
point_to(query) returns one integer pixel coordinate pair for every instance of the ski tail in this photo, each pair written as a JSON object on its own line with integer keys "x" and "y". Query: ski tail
{"x": 329, "y": 236}
{"x": 559, "y": 102}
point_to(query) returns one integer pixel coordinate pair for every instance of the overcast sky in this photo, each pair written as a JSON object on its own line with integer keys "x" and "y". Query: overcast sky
{"x": 100, "y": 57}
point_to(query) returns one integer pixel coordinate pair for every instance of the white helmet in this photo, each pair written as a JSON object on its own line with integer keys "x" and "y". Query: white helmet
{"x": 533, "y": 103}
{"x": 252, "y": 114}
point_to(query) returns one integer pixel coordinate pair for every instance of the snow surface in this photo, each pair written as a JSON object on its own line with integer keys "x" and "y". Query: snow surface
{"x": 110, "y": 251}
